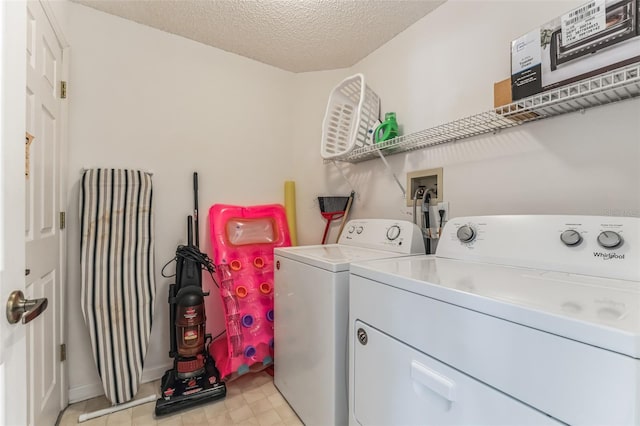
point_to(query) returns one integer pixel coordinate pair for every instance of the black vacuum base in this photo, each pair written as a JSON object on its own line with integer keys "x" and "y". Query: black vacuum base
{"x": 179, "y": 394}
{"x": 181, "y": 402}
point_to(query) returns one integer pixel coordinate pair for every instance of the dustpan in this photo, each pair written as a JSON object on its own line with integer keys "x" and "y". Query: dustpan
{"x": 332, "y": 208}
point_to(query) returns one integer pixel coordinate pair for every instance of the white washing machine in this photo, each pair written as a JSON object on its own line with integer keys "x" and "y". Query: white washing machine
{"x": 311, "y": 304}
{"x": 515, "y": 320}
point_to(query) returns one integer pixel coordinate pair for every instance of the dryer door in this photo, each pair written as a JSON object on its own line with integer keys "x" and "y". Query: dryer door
{"x": 395, "y": 384}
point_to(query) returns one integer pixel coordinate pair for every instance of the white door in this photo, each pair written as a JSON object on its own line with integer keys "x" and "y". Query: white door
{"x": 13, "y": 364}
{"x": 31, "y": 387}
{"x": 42, "y": 215}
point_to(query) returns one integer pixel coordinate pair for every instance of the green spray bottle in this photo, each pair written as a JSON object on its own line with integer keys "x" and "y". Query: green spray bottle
{"x": 388, "y": 129}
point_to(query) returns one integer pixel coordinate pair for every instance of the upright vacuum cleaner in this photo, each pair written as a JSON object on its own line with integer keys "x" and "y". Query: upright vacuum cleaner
{"x": 194, "y": 378}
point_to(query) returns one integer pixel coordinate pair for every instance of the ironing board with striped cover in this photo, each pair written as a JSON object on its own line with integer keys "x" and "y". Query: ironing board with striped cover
{"x": 118, "y": 285}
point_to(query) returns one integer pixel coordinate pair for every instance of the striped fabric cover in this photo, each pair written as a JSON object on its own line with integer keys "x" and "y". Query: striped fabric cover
{"x": 118, "y": 285}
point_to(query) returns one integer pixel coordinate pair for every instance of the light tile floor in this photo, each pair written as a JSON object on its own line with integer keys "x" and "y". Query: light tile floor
{"x": 251, "y": 400}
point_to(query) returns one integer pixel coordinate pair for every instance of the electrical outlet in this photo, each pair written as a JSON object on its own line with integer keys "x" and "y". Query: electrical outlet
{"x": 444, "y": 205}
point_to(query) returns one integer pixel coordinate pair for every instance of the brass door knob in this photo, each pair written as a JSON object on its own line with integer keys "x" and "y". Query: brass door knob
{"x": 19, "y": 307}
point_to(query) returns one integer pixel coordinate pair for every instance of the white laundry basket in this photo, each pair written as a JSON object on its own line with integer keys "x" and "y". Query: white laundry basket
{"x": 352, "y": 110}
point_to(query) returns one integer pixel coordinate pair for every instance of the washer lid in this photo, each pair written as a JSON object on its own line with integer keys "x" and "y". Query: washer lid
{"x": 598, "y": 311}
{"x": 332, "y": 257}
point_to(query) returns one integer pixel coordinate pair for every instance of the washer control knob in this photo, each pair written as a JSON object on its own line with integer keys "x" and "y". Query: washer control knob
{"x": 571, "y": 237}
{"x": 359, "y": 230}
{"x": 351, "y": 229}
{"x": 393, "y": 232}
{"x": 610, "y": 239}
{"x": 466, "y": 234}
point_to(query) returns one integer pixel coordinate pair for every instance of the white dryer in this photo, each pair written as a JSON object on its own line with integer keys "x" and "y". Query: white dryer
{"x": 311, "y": 304}
{"x": 516, "y": 320}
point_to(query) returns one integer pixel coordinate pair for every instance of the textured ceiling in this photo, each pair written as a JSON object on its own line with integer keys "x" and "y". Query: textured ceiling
{"x": 299, "y": 36}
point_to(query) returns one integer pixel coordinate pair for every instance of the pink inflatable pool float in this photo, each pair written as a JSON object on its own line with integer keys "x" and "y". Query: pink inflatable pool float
{"x": 243, "y": 239}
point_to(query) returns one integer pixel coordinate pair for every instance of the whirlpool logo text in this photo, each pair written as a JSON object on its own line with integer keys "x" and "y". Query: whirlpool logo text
{"x": 608, "y": 256}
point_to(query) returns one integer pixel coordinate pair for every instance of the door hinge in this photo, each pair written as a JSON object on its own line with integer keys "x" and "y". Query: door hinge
{"x": 63, "y": 352}
{"x": 63, "y": 220}
{"x": 63, "y": 89}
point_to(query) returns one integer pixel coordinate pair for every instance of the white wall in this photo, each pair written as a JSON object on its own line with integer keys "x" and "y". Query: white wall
{"x": 142, "y": 98}
{"x": 312, "y": 176}
{"x": 443, "y": 68}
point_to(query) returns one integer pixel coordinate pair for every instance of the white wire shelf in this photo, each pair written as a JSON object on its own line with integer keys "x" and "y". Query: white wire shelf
{"x": 603, "y": 89}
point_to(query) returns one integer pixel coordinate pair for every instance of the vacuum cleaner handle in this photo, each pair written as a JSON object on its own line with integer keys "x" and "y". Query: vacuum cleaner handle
{"x": 195, "y": 208}
{"x": 189, "y": 231}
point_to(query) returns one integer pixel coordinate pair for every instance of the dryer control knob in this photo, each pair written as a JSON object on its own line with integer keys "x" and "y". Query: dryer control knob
{"x": 351, "y": 229}
{"x": 466, "y": 234}
{"x": 393, "y": 232}
{"x": 571, "y": 237}
{"x": 610, "y": 240}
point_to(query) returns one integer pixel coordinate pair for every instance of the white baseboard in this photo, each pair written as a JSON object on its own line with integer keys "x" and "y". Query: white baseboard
{"x": 81, "y": 393}
{"x": 154, "y": 373}
{"x": 84, "y": 392}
